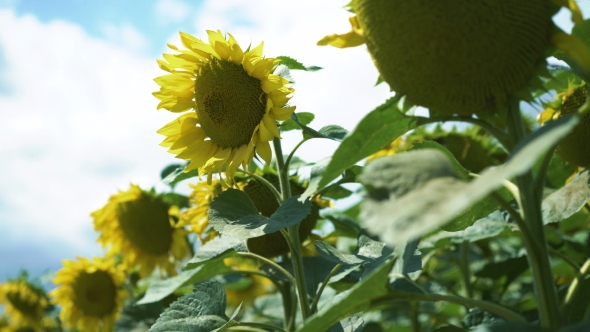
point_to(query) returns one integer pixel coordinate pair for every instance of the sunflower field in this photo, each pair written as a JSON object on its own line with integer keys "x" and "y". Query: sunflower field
{"x": 470, "y": 211}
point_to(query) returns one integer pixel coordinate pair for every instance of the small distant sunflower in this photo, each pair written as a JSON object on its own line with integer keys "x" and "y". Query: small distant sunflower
{"x": 89, "y": 293}
{"x": 230, "y": 100}
{"x": 140, "y": 226}
{"x": 25, "y": 304}
{"x": 195, "y": 218}
{"x": 249, "y": 288}
{"x": 459, "y": 56}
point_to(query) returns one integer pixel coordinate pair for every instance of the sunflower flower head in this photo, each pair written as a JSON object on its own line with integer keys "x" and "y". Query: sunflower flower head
{"x": 229, "y": 99}
{"x": 140, "y": 226}
{"x": 89, "y": 293}
{"x": 25, "y": 304}
{"x": 462, "y": 57}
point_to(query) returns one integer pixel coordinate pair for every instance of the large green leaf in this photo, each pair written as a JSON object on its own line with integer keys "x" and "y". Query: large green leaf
{"x": 207, "y": 263}
{"x": 233, "y": 213}
{"x": 332, "y": 254}
{"x": 440, "y": 200}
{"x": 356, "y": 299}
{"x": 203, "y": 310}
{"x": 481, "y": 229}
{"x": 376, "y": 130}
{"x": 568, "y": 200}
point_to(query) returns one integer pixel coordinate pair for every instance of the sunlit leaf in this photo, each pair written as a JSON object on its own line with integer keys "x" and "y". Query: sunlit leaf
{"x": 233, "y": 213}
{"x": 202, "y": 310}
{"x": 567, "y": 200}
{"x": 399, "y": 219}
{"x": 296, "y": 65}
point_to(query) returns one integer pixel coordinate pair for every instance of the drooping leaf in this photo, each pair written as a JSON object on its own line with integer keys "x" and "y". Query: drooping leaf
{"x": 138, "y": 318}
{"x": 202, "y": 310}
{"x": 296, "y": 65}
{"x": 356, "y": 299}
{"x": 207, "y": 263}
{"x": 232, "y": 213}
{"x": 351, "y": 324}
{"x": 344, "y": 226}
{"x": 459, "y": 169}
{"x": 179, "y": 175}
{"x": 567, "y": 200}
{"x": 440, "y": 200}
{"x": 481, "y": 229}
{"x": 218, "y": 248}
{"x": 333, "y": 132}
{"x": 379, "y": 128}
{"x": 336, "y": 192}
{"x": 332, "y": 254}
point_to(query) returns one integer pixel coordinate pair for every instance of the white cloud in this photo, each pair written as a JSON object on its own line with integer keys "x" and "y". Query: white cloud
{"x": 125, "y": 36}
{"x": 171, "y": 10}
{"x": 78, "y": 123}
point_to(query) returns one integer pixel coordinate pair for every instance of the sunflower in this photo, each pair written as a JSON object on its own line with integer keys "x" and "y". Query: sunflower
{"x": 25, "y": 304}
{"x": 574, "y": 147}
{"x": 195, "y": 218}
{"x": 458, "y": 56}
{"x": 139, "y": 225}
{"x": 89, "y": 293}
{"x": 230, "y": 102}
{"x": 249, "y": 288}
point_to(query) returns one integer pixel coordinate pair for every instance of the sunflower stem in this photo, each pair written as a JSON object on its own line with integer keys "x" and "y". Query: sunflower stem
{"x": 293, "y": 234}
{"x": 535, "y": 242}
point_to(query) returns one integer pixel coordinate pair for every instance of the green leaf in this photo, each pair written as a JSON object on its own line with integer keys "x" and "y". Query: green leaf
{"x": 481, "y": 229}
{"x": 510, "y": 268}
{"x": 333, "y": 132}
{"x": 351, "y": 324}
{"x": 202, "y": 310}
{"x": 399, "y": 219}
{"x": 336, "y": 192}
{"x": 207, "y": 263}
{"x": 179, "y": 175}
{"x": 476, "y": 317}
{"x": 175, "y": 199}
{"x": 332, "y": 254}
{"x": 138, "y": 318}
{"x": 376, "y": 130}
{"x": 296, "y": 65}
{"x": 218, "y": 248}
{"x": 459, "y": 169}
{"x": 347, "y": 303}
{"x": 169, "y": 170}
{"x": 509, "y": 327}
{"x": 568, "y": 200}
{"x": 477, "y": 211}
{"x": 233, "y": 213}
{"x": 297, "y": 121}
{"x": 344, "y": 226}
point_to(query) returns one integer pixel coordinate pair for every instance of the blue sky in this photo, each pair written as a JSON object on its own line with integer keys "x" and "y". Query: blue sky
{"x": 78, "y": 119}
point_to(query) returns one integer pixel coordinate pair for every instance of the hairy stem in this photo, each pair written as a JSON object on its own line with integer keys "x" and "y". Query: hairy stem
{"x": 293, "y": 234}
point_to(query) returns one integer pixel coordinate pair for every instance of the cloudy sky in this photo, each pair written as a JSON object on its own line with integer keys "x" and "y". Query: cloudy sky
{"x": 78, "y": 121}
